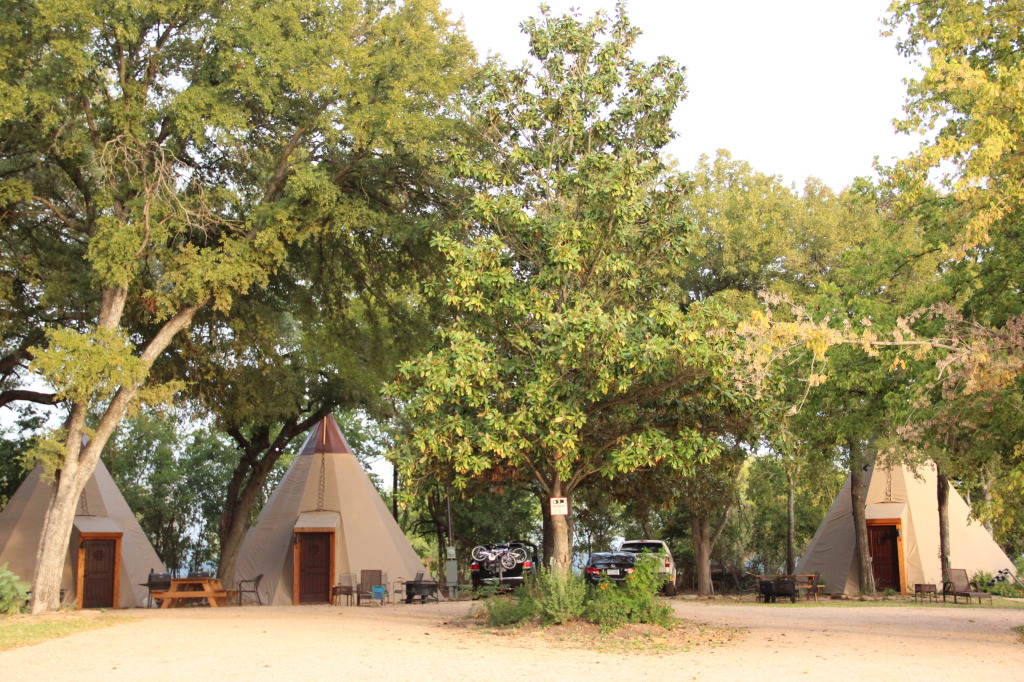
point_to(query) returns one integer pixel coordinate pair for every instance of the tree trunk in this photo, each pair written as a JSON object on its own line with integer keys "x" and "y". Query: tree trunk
{"x": 259, "y": 456}
{"x": 547, "y": 532}
{"x": 858, "y": 464}
{"x": 791, "y": 524}
{"x": 394, "y": 492}
{"x": 56, "y": 537}
{"x": 987, "y": 481}
{"x": 943, "y": 500}
{"x": 79, "y": 460}
{"x": 561, "y": 533}
{"x": 702, "y": 546}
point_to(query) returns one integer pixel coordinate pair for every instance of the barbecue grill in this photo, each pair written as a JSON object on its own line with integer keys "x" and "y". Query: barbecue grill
{"x": 156, "y": 582}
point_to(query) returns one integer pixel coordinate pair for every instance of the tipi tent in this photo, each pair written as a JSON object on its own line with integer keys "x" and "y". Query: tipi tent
{"x": 109, "y": 554}
{"x": 903, "y": 535}
{"x": 324, "y": 519}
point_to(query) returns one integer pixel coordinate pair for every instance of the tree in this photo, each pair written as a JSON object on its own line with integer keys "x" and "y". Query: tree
{"x": 174, "y": 482}
{"x": 968, "y": 97}
{"x": 180, "y": 148}
{"x": 13, "y": 444}
{"x": 566, "y": 358}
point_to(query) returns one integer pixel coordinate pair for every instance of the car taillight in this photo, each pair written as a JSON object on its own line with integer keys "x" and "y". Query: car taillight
{"x": 591, "y": 569}
{"x": 474, "y": 566}
{"x": 630, "y": 570}
{"x": 666, "y": 563}
{"x": 527, "y": 564}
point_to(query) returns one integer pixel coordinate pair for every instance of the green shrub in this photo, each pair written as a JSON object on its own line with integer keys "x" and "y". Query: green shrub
{"x": 609, "y": 607}
{"x": 634, "y": 601}
{"x": 1001, "y": 588}
{"x": 505, "y": 610}
{"x": 560, "y": 597}
{"x": 13, "y": 592}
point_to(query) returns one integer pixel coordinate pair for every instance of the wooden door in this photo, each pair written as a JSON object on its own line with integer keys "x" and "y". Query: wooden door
{"x": 885, "y": 557}
{"x": 99, "y": 568}
{"x": 314, "y": 568}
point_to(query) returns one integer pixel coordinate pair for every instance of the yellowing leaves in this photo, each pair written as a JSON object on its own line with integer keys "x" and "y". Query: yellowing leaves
{"x": 82, "y": 366}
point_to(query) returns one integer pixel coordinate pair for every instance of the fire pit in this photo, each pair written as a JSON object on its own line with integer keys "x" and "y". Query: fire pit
{"x": 424, "y": 589}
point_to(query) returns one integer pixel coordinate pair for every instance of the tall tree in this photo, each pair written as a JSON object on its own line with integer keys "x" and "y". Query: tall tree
{"x": 566, "y": 357}
{"x": 181, "y": 147}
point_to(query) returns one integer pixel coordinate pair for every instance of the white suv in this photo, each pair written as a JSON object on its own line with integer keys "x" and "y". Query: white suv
{"x": 659, "y": 550}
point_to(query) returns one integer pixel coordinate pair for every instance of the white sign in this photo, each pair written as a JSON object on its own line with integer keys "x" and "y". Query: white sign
{"x": 559, "y": 506}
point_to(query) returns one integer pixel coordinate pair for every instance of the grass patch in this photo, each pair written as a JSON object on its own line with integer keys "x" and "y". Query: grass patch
{"x": 16, "y": 631}
{"x": 1020, "y": 632}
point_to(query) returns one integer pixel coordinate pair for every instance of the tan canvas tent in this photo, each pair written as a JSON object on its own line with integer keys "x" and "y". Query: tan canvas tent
{"x": 903, "y": 535}
{"x": 109, "y": 554}
{"x": 325, "y": 519}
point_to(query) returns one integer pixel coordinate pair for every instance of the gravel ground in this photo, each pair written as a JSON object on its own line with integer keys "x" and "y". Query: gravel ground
{"x": 433, "y": 642}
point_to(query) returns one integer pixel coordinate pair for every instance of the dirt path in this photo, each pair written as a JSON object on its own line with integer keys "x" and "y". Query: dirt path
{"x": 415, "y": 643}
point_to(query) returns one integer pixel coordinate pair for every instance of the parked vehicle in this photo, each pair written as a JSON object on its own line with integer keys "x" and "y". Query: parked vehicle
{"x": 609, "y": 566}
{"x": 503, "y": 565}
{"x": 658, "y": 551}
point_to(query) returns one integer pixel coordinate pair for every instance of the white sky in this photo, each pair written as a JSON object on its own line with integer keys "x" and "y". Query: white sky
{"x": 798, "y": 88}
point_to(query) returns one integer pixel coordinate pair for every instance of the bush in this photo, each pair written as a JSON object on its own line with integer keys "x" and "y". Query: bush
{"x": 13, "y": 592}
{"x": 505, "y": 610}
{"x": 998, "y": 585}
{"x": 560, "y": 597}
{"x": 635, "y": 601}
{"x": 609, "y": 607}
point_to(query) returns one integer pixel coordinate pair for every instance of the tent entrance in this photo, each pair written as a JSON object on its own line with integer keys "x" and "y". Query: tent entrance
{"x": 99, "y": 570}
{"x": 885, "y": 544}
{"x": 314, "y": 565}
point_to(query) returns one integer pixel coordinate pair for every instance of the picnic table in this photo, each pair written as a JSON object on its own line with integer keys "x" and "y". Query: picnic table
{"x": 183, "y": 590}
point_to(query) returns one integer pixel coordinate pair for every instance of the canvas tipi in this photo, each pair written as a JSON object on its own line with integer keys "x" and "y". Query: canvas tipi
{"x": 109, "y": 554}
{"x": 903, "y": 535}
{"x": 324, "y": 520}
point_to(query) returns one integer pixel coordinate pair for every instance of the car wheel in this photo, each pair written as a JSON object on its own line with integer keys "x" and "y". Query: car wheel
{"x": 670, "y": 589}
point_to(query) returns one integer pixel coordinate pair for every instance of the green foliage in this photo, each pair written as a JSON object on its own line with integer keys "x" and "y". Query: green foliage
{"x": 175, "y": 483}
{"x": 1003, "y": 588}
{"x": 568, "y": 356}
{"x": 13, "y": 443}
{"x": 560, "y": 596}
{"x": 511, "y": 609}
{"x": 13, "y": 592}
{"x": 763, "y": 512}
{"x": 633, "y": 601}
{"x": 967, "y": 95}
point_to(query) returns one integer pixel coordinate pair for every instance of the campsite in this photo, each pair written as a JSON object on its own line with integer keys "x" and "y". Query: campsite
{"x": 333, "y": 343}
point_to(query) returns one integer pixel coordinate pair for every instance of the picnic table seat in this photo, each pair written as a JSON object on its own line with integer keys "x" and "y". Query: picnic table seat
{"x": 958, "y": 585}
{"x": 812, "y": 587}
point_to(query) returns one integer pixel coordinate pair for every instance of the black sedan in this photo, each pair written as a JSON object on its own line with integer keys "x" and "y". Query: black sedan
{"x": 609, "y": 566}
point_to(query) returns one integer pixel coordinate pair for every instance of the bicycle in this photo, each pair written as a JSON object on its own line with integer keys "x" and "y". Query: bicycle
{"x": 507, "y": 557}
